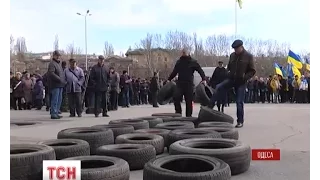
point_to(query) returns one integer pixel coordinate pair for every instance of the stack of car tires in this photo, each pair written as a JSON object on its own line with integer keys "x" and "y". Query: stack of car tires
{"x": 205, "y": 148}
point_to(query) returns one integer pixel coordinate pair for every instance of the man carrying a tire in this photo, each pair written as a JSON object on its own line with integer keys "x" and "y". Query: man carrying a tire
{"x": 240, "y": 70}
{"x": 185, "y": 68}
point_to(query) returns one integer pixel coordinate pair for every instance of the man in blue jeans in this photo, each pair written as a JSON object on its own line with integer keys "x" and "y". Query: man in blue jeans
{"x": 240, "y": 70}
{"x": 56, "y": 79}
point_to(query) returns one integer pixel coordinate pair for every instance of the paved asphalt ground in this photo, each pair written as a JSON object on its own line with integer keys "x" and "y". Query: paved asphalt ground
{"x": 283, "y": 126}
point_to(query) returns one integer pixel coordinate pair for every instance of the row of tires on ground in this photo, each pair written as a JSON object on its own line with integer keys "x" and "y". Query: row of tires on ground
{"x": 136, "y": 146}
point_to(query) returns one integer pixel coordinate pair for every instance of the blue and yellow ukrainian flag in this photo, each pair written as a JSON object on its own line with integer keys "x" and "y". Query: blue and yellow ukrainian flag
{"x": 308, "y": 67}
{"x": 292, "y": 71}
{"x": 278, "y": 69}
{"x": 308, "y": 64}
{"x": 295, "y": 70}
{"x": 294, "y": 59}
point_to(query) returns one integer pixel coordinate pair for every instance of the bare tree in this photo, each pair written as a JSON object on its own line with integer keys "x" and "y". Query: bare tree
{"x": 11, "y": 47}
{"x": 108, "y": 49}
{"x": 56, "y": 43}
{"x": 199, "y": 51}
{"x": 147, "y": 46}
{"x": 21, "y": 49}
{"x": 176, "y": 41}
{"x": 72, "y": 51}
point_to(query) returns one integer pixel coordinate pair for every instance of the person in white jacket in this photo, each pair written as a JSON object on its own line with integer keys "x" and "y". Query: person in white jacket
{"x": 303, "y": 90}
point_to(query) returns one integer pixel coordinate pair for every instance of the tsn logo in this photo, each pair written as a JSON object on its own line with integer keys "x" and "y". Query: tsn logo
{"x": 61, "y": 170}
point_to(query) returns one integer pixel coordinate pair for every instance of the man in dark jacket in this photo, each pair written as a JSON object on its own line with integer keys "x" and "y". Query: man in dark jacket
{"x": 154, "y": 87}
{"x": 114, "y": 90}
{"x": 12, "y": 79}
{"x": 185, "y": 68}
{"x": 57, "y": 82}
{"x": 125, "y": 81}
{"x": 240, "y": 70}
{"x": 100, "y": 79}
{"x": 219, "y": 75}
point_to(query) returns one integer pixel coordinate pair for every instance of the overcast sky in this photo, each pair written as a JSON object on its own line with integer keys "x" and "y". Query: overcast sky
{"x": 125, "y": 22}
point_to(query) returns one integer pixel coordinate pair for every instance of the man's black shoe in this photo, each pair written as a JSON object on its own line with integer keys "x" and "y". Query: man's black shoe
{"x": 155, "y": 106}
{"x": 105, "y": 115}
{"x": 79, "y": 115}
{"x": 96, "y": 115}
{"x": 55, "y": 117}
{"x": 239, "y": 125}
{"x": 72, "y": 115}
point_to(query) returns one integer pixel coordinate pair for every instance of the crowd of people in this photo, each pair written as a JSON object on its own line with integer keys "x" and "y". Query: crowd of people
{"x": 66, "y": 87}
{"x": 69, "y": 88}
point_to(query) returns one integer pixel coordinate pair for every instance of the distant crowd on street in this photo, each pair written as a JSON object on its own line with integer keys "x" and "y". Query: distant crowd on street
{"x": 66, "y": 87}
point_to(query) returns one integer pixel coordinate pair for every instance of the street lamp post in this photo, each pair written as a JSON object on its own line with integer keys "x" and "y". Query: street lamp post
{"x": 85, "y": 34}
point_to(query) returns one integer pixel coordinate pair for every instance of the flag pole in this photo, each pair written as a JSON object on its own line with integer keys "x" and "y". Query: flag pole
{"x": 235, "y": 18}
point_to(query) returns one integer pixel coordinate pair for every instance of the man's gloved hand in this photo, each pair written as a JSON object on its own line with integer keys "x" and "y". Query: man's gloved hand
{"x": 204, "y": 82}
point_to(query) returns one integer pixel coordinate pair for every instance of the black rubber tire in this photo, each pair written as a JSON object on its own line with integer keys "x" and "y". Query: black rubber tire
{"x": 153, "y": 120}
{"x": 136, "y": 123}
{"x": 137, "y": 155}
{"x": 233, "y": 152}
{"x": 165, "y": 94}
{"x": 95, "y": 136}
{"x": 167, "y": 114}
{"x": 225, "y": 132}
{"x": 65, "y": 148}
{"x": 186, "y": 167}
{"x": 203, "y": 94}
{"x": 175, "y": 125}
{"x": 180, "y": 134}
{"x": 162, "y": 132}
{"x": 156, "y": 141}
{"x": 207, "y": 114}
{"x": 185, "y": 119}
{"x": 117, "y": 129}
{"x": 215, "y": 124}
{"x": 26, "y": 160}
{"x": 164, "y": 118}
{"x": 114, "y": 169}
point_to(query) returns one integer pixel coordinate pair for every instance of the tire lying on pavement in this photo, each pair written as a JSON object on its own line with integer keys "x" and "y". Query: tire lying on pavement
{"x": 180, "y": 134}
{"x": 165, "y": 94}
{"x": 65, "y": 148}
{"x": 186, "y": 167}
{"x": 141, "y": 138}
{"x": 135, "y": 154}
{"x": 175, "y": 125}
{"x": 117, "y": 129}
{"x": 26, "y": 160}
{"x": 203, "y": 94}
{"x": 136, "y": 123}
{"x": 233, "y": 152}
{"x": 162, "y": 132}
{"x": 103, "y": 168}
{"x": 185, "y": 119}
{"x": 95, "y": 136}
{"x": 225, "y": 132}
{"x": 153, "y": 120}
{"x": 215, "y": 124}
{"x": 207, "y": 114}
{"x": 167, "y": 114}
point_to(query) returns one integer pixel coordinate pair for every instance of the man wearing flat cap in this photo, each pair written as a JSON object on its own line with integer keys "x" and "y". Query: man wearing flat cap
{"x": 56, "y": 80}
{"x": 240, "y": 69}
{"x": 100, "y": 80}
{"x": 219, "y": 74}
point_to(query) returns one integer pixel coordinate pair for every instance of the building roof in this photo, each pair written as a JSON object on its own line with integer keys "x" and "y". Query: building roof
{"x": 141, "y": 51}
